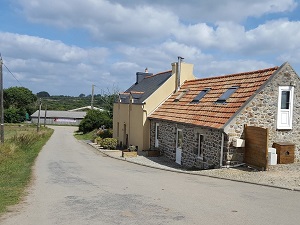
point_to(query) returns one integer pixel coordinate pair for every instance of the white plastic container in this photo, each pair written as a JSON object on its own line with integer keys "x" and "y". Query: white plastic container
{"x": 272, "y": 156}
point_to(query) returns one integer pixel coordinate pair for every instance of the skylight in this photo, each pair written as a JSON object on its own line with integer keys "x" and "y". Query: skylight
{"x": 227, "y": 94}
{"x": 200, "y": 95}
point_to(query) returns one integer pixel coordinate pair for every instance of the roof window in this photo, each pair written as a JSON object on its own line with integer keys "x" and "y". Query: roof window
{"x": 200, "y": 95}
{"x": 227, "y": 94}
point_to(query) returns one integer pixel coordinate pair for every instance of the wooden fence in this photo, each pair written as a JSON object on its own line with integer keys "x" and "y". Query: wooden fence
{"x": 256, "y": 147}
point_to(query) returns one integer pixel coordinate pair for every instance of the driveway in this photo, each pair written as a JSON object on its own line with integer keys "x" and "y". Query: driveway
{"x": 75, "y": 184}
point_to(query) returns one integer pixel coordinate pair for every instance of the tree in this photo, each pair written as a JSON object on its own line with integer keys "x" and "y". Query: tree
{"x": 81, "y": 96}
{"x": 107, "y": 102}
{"x": 94, "y": 119}
{"x": 43, "y": 94}
{"x": 14, "y": 115}
{"x": 18, "y": 101}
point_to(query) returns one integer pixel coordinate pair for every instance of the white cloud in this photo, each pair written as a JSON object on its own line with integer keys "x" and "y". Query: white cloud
{"x": 25, "y": 46}
{"x": 50, "y": 64}
{"x": 103, "y": 19}
{"x": 216, "y": 10}
{"x": 144, "y": 33}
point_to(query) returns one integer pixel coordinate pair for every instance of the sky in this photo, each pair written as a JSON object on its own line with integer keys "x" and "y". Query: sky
{"x": 64, "y": 47}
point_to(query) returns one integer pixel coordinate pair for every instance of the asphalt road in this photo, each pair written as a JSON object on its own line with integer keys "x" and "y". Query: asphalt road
{"x": 75, "y": 184}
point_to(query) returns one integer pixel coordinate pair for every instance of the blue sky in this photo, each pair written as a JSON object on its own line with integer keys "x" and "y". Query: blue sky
{"x": 65, "y": 46}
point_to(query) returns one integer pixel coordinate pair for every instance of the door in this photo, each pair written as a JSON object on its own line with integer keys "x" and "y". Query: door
{"x": 179, "y": 141}
{"x": 125, "y": 137}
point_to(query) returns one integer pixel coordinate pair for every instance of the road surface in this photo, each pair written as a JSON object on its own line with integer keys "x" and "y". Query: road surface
{"x": 75, "y": 184}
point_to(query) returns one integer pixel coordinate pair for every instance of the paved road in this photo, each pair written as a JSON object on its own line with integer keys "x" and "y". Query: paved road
{"x": 76, "y": 185}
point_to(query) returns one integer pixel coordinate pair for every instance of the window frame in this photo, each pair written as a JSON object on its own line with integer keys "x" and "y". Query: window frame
{"x": 199, "y": 96}
{"x": 200, "y": 145}
{"x": 227, "y": 94}
{"x": 280, "y": 111}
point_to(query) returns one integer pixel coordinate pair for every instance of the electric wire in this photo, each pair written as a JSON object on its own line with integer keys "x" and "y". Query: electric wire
{"x": 12, "y": 75}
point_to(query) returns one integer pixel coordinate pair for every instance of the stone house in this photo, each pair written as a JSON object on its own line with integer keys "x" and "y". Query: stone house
{"x": 197, "y": 125}
{"x": 130, "y": 112}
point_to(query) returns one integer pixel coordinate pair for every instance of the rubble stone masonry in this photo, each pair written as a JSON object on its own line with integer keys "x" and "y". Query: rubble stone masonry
{"x": 167, "y": 144}
{"x": 261, "y": 111}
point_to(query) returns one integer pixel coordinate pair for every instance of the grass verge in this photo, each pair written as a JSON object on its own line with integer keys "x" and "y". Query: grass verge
{"x": 88, "y": 136}
{"x": 17, "y": 156}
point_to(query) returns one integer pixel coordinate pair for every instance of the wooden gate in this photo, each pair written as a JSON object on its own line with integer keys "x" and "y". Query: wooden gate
{"x": 256, "y": 147}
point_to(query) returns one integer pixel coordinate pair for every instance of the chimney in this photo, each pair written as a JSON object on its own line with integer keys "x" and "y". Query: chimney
{"x": 178, "y": 71}
{"x": 141, "y": 76}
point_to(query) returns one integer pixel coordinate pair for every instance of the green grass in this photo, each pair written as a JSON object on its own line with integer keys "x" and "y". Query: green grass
{"x": 88, "y": 136}
{"x": 15, "y": 129}
{"x": 17, "y": 155}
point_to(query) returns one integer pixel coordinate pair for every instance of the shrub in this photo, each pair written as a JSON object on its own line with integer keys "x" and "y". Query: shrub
{"x": 99, "y": 140}
{"x": 109, "y": 143}
{"x": 105, "y": 133}
{"x": 93, "y": 120}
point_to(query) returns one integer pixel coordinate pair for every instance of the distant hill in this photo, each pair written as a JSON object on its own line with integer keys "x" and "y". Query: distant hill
{"x": 68, "y": 102}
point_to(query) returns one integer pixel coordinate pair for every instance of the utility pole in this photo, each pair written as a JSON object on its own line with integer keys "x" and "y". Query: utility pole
{"x": 39, "y": 115}
{"x": 1, "y": 104}
{"x": 92, "y": 101}
{"x": 45, "y": 116}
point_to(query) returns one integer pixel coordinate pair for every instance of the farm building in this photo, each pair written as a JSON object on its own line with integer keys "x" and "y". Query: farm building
{"x": 58, "y": 117}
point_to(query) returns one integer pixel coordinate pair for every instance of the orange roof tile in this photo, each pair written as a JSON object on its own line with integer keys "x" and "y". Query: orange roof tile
{"x": 207, "y": 112}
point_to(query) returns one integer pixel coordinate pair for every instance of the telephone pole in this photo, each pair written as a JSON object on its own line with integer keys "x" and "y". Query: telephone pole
{"x": 92, "y": 101}
{"x": 39, "y": 115}
{"x": 1, "y": 104}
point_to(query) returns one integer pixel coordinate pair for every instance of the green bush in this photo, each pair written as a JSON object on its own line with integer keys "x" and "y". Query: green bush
{"x": 109, "y": 143}
{"x": 99, "y": 140}
{"x": 93, "y": 120}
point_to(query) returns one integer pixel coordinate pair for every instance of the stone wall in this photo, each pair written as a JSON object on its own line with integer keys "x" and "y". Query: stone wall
{"x": 167, "y": 144}
{"x": 262, "y": 112}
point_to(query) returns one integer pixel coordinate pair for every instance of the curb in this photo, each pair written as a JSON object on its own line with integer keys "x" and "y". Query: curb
{"x": 191, "y": 173}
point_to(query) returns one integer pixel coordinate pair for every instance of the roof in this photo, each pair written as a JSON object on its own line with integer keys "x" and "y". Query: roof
{"x": 60, "y": 114}
{"x": 142, "y": 90}
{"x": 207, "y": 112}
{"x": 85, "y": 107}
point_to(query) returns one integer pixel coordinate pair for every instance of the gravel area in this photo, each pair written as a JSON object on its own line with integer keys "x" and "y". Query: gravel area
{"x": 285, "y": 176}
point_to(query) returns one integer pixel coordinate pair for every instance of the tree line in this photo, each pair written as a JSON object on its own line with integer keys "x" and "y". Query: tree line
{"x": 20, "y": 103}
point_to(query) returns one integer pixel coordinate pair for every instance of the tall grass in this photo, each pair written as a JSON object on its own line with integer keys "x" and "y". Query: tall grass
{"x": 17, "y": 156}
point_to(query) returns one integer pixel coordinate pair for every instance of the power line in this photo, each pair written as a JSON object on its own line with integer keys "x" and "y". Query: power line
{"x": 12, "y": 75}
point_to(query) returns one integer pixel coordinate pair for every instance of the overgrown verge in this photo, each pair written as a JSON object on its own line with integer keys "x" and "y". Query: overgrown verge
{"x": 17, "y": 156}
{"x": 102, "y": 137}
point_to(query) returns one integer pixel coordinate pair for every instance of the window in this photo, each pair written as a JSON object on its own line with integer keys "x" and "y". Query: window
{"x": 285, "y": 107}
{"x": 200, "y": 139}
{"x": 200, "y": 95}
{"x": 227, "y": 94}
{"x": 156, "y": 135}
